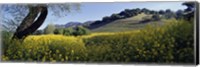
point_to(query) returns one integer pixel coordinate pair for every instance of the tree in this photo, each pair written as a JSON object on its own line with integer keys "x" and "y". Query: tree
{"x": 152, "y": 12}
{"x": 137, "y": 11}
{"x": 56, "y": 31}
{"x": 122, "y": 13}
{"x": 179, "y": 14}
{"x": 49, "y": 29}
{"x": 59, "y": 31}
{"x": 145, "y": 10}
{"x": 156, "y": 17}
{"x": 189, "y": 11}
{"x": 80, "y": 30}
{"x": 161, "y": 12}
{"x": 68, "y": 31}
{"x": 126, "y": 13}
{"x": 106, "y": 19}
{"x": 115, "y": 17}
{"x": 168, "y": 11}
{"x": 34, "y": 15}
{"x": 169, "y": 14}
{"x": 72, "y": 31}
{"x": 190, "y": 6}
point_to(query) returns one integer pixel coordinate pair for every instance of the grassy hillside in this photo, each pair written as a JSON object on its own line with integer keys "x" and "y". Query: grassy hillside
{"x": 127, "y": 24}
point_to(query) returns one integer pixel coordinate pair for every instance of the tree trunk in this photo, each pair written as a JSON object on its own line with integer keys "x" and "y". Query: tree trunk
{"x": 28, "y": 26}
{"x": 29, "y": 19}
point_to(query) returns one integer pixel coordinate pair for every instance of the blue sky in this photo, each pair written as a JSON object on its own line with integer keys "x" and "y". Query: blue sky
{"x": 95, "y": 11}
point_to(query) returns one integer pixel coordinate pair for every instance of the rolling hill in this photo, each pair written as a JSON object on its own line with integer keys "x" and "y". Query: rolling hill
{"x": 69, "y": 24}
{"x": 129, "y": 19}
{"x": 131, "y": 23}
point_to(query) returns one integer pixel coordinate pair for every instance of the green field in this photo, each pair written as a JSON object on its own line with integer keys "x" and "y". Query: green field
{"x": 161, "y": 44}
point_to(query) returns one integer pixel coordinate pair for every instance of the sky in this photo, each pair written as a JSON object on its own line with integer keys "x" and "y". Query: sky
{"x": 95, "y": 11}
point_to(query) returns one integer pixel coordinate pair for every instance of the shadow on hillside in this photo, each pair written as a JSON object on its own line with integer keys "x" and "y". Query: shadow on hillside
{"x": 141, "y": 22}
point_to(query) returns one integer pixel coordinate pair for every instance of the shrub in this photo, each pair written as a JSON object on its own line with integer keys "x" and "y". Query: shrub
{"x": 76, "y": 31}
{"x": 58, "y": 31}
{"x": 5, "y": 39}
{"x": 156, "y": 17}
{"x": 68, "y": 31}
{"x": 80, "y": 30}
{"x": 49, "y": 29}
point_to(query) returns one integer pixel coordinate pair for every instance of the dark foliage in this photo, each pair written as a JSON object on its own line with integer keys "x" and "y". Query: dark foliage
{"x": 75, "y": 31}
{"x": 189, "y": 11}
{"x": 161, "y": 12}
{"x": 155, "y": 17}
{"x": 38, "y": 32}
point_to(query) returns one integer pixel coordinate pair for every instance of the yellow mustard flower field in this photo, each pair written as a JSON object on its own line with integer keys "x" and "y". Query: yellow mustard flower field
{"x": 160, "y": 44}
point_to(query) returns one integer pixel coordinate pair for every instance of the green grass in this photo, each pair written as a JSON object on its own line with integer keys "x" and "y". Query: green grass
{"x": 127, "y": 24}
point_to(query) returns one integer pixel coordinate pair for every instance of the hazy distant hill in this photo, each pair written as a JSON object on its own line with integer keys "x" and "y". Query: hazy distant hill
{"x": 69, "y": 24}
{"x": 87, "y": 23}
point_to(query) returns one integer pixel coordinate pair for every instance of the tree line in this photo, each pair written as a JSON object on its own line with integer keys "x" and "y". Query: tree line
{"x": 71, "y": 31}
